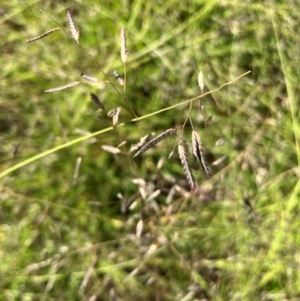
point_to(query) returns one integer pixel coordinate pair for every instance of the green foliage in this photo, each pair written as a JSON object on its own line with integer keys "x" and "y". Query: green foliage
{"x": 69, "y": 210}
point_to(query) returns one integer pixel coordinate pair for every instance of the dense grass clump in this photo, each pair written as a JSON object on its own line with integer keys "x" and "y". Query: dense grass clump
{"x": 100, "y": 196}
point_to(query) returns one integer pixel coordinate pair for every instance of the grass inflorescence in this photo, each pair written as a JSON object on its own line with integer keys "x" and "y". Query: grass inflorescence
{"x": 158, "y": 167}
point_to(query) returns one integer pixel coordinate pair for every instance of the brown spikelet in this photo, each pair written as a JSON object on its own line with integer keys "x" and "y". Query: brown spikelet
{"x": 42, "y": 35}
{"x": 186, "y": 167}
{"x": 63, "y": 87}
{"x": 73, "y": 28}
{"x": 198, "y": 152}
{"x": 89, "y": 78}
{"x": 119, "y": 78}
{"x": 97, "y": 102}
{"x": 124, "y": 51}
{"x": 154, "y": 141}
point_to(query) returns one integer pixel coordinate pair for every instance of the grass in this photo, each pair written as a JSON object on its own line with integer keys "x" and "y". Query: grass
{"x": 69, "y": 211}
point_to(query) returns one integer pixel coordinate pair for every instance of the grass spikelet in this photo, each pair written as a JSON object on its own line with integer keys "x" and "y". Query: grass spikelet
{"x": 111, "y": 149}
{"x": 220, "y": 142}
{"x": 73, "y": 28}
{"x": 42, "y": 35}
{"x": 139, "y": 228}
{"x": 201, "y": 109}
{"x": 155, "y": 140}
{"x": 186, "y": 167}
{"x": 136, "y": 146}
{"x": 114, "y": 113}
{"x": 63, "y": 87}
{"x": 209, "y": 119}
{"x": 219, "y": 161}
{"x": 89, "y": 78}
{"x": 124, "y": 51}
{"x": 119, "y": 78}
{"x": 201, "y": 81}
{"x": 171, "y": 154}
{"x": 198, "y": 152}
{"x": 252, "y": 214}
{"x": 195, "y": 145}
{"x": 97, "y": 102}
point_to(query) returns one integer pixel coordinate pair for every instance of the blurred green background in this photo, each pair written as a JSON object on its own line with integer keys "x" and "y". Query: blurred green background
{"x": 71, "y": 220}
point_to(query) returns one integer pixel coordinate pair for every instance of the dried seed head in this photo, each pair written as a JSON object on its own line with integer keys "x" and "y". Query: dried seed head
{"x": 73, "y": 28}
{"x": 89, "y": 78}
{"x": 114, "y": 113}
{"x": 186, "y": 167}
{"x": 219, "y": 161}
{"x": 119, "y": 78}
{"x": 220, "y": 142}
{"x": 155, "y": 140}
{"x": 63, "y": 87}
{"x": 139, "y": 228}
{"x": 42, "y": 35}
{"x": 111, "y": 149}
{"x": 97, "y": 102}
{"x": 198, "y": 152}
{"x": 136, "y": 146}
{"x": 122, "y": 143}
{"x": 201, "y": 81}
